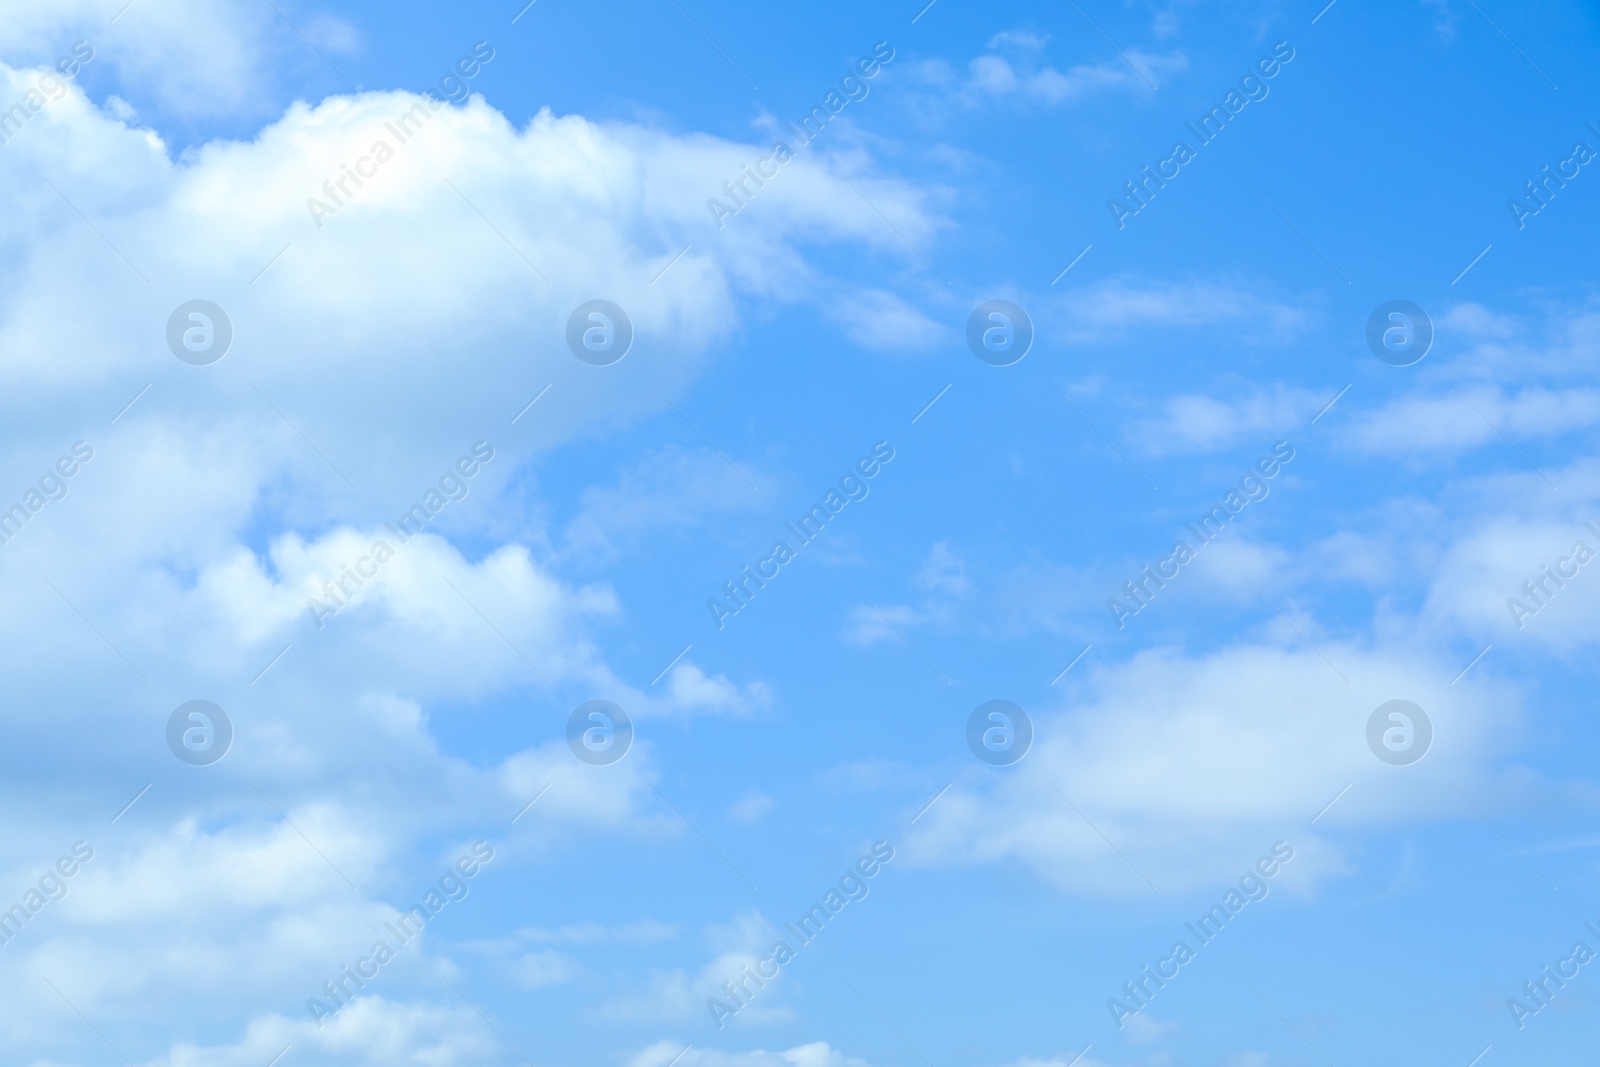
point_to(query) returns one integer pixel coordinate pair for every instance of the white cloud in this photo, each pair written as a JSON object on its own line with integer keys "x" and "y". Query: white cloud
{"x": 505, "y": 615}
{"x": 170, "y": 908}
{"x": 1522, "y": 578}
{"x": 1192, "y": 765}
{"x": 1012, "y": 68}
{"x": 194, "y": 59}
{"x": 333, "y": 345}
{"x": 996, "y": 76}
{"x": 690, "y": 689}
{"x": 1492, "y": 376}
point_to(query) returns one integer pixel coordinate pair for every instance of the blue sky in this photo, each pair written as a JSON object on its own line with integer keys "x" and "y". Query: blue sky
{"x": 1396, "y": 533}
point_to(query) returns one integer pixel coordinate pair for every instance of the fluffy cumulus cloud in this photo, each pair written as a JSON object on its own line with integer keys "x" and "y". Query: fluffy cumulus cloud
{"x": 220, "y": 536}
{"x": 339, "y": 408}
